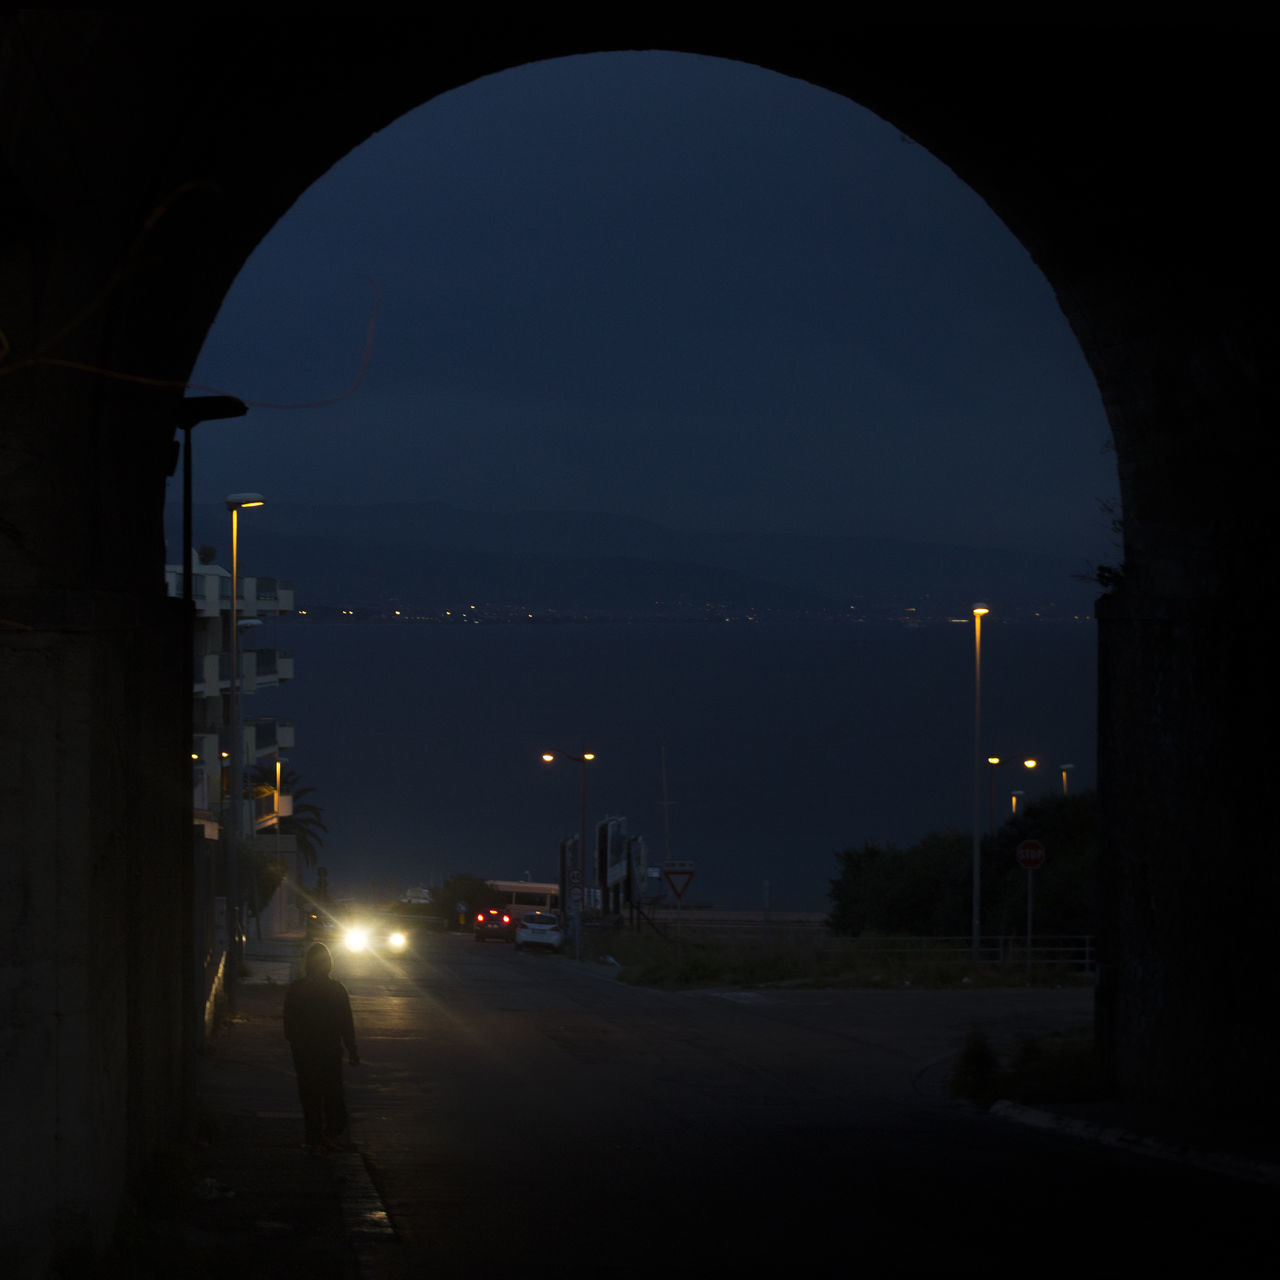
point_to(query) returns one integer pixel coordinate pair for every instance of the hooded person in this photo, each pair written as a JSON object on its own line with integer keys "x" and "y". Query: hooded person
{"x": 318, "y": 1026}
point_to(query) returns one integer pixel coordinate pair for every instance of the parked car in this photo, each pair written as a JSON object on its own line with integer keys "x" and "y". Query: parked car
{"x": 495, "y": 924}
{"x": 540, "y": 929}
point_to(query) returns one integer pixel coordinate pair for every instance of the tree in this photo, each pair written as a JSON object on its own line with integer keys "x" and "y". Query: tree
{"x": 1065, "y": 889}
{"x": 925, "y": 889}
{"x": 916, "y": 890}
{"x": 475, "y": 891}
{"x": 306, "y": 822}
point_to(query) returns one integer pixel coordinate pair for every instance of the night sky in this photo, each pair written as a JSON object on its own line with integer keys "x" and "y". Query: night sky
{"x": 667, "y": 286}
{"x": 685, "y": 290}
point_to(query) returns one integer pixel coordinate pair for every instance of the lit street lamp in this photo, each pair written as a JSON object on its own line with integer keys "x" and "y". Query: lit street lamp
{"x": 575, "y": 902}
{"x": 993, "y": 763}
{"x": 978, "y": 611}
{"x": 1013, "y": 808}
{"x": 283, "y": 809}
{"x": 1064, "y": 769}
{"x": 236, "y": 502}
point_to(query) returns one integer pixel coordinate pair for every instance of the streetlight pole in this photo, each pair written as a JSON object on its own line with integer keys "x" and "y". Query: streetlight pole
{"x": 236, "y": 502}
{"x": 193, "y": 411}
{"x": 978, "y": 611}
{"x": 1064, "y": 769}
{"x": 575, "y": 907}
{"x": 190, "y": 412}
{"x": 281, "y": 761}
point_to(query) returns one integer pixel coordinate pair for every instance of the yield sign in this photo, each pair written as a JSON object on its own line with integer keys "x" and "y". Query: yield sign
{"x": 678, "y": 875}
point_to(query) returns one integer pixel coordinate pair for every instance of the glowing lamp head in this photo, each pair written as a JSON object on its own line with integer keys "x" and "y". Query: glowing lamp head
{"x": 979, "y": 610}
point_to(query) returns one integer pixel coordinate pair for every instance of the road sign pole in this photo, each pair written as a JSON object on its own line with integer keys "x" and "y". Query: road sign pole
{"x": 1030, "y": 854}
{"x": 1031, "y": 871}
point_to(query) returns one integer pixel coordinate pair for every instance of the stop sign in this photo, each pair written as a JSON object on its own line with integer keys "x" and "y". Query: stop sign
{"x": 1031, "y": 854}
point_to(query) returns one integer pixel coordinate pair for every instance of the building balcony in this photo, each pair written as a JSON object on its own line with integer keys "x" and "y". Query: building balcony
{"x": 265, "y": 736}
{"x": 259, "y": 669}
{"x": 211, "y": 592}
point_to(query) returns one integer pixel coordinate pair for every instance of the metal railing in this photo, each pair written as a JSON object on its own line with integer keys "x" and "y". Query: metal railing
{"x": 1075, "y": 951}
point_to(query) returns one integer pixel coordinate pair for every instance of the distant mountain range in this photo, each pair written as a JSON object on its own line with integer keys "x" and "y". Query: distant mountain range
{"x": 431, "y": 555}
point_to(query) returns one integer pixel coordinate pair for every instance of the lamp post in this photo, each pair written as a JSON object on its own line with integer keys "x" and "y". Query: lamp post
{"x": 193, "y": 411}
{"x": 1064, "y": 769}
{"x": 575, "y": 904}
{"x": 1013, "y": 807}
{"x": 283, "y": 811}
{"x": 978, "y": 611}
{"x": 236, "y": 502}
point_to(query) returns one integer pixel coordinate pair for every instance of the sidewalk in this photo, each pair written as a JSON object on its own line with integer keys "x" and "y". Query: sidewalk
{"x": 262, "y": 1207}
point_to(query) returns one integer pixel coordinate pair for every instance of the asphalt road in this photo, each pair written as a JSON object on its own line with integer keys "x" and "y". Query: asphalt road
{"x": 523, "y": 1113}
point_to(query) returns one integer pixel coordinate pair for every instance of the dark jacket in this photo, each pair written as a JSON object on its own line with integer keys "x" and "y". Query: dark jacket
{"x": 317, "y": 1018}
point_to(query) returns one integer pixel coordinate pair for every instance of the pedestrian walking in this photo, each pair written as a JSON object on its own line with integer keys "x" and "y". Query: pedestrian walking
{"x": 318, "y": 1025}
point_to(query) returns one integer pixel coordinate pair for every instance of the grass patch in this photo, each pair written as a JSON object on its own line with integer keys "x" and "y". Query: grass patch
{"x": 648, "y": 959}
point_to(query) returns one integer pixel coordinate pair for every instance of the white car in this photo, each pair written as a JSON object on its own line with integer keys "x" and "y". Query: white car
{"x": 540, "y": 929}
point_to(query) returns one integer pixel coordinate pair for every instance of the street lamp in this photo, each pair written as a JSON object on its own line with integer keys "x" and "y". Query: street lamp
{"x": 191, "y": 412}
{"x": 575, "y": 908}
{"x": 236, "y": 502}
{"x": 978, "y": 611}
{"x": 1013, "y": 808}
{"x": 993, "y": 763}
{"x": 283, "y": 811}
{"x": 1064, "y": 769}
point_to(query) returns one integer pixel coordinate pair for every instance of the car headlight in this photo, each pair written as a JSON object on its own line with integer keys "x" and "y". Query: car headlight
{"x": 357, "y": 939}
{"x": 397, "y": 941}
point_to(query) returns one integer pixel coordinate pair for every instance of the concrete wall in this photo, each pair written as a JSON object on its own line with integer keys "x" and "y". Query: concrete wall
{"x": 93, "y": 788}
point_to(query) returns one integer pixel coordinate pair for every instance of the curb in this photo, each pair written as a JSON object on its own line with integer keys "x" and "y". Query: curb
{"x": 1259, "y": 1171}
{"x": 365, "y": 1220}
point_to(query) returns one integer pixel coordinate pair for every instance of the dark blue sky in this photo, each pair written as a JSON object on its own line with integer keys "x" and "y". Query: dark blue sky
{"x": 663, "y": 286}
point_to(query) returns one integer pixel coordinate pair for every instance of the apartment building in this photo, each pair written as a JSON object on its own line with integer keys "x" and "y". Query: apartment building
{"x": 263, "y": 739}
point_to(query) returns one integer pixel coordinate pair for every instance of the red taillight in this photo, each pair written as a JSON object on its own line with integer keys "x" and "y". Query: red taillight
{"x": 506, "y": 919}
{"x": 480, "y": 918}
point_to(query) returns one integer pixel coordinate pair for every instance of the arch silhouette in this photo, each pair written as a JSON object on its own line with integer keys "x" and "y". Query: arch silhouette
{"x": 142, "y": 164}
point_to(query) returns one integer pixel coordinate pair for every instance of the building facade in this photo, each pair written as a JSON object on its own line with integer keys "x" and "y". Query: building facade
{"x": 264, "y": 740}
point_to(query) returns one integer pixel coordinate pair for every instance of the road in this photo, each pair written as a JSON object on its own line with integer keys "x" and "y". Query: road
{"x": 514, "y": 1107}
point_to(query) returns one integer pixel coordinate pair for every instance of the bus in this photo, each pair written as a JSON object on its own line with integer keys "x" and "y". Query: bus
{"x": 529, "y": 895}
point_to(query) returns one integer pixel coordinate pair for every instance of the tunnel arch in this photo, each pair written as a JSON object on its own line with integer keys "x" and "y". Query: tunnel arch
{"x": 142, "y": 164}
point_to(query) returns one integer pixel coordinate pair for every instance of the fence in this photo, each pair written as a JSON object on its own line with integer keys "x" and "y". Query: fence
{"x": 1077, "y": 951}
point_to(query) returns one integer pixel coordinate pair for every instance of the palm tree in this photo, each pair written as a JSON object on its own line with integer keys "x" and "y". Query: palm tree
{"x": 306, "y": 822}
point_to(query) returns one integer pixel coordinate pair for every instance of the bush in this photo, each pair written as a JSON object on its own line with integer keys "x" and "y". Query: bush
{"x": 1060, "y": 1067}
{"x": 976, "y": 1074}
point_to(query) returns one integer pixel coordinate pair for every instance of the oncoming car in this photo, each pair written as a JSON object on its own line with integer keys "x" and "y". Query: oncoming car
{"x": 382, "y": 937}
{"x": 495, "y": 924}
{"x": 540, "y": 929}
